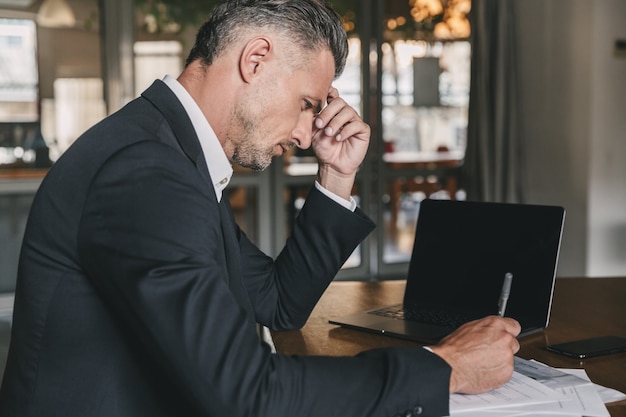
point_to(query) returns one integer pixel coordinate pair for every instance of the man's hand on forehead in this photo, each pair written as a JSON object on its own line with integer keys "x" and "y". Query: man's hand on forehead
{"x": 340, "y": 137}
{"x": 323, "y": 121}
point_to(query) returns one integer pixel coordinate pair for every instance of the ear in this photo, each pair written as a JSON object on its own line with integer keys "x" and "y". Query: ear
{"x": 254, "y": 57}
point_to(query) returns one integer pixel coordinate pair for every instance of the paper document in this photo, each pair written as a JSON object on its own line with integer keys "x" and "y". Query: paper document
{"x": 562, "y": 393}
{"x": 584, "y": 399}
{"x": 519, "y": 391}
{"x": 551, "y": 377}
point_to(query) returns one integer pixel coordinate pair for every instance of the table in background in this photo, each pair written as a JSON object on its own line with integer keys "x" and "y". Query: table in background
{"x": 21, "y": 181}
{"x": 582, "y": 308}
{"x": 427, "y": 172}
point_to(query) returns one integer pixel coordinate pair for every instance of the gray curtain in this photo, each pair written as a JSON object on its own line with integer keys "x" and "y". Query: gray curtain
{"x": 493, "y": 158}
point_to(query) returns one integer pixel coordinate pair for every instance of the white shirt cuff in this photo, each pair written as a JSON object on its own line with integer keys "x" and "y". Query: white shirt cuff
{"x": 349, "y": 204}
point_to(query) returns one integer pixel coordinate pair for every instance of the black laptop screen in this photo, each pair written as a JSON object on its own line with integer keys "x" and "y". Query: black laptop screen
{"x": 463, "y": 250}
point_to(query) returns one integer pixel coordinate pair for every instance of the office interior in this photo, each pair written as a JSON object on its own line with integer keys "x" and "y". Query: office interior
{"x": 560, "y": 92}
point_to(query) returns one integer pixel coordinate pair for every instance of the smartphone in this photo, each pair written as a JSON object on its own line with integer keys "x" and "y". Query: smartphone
{"x": 589, "y": 348}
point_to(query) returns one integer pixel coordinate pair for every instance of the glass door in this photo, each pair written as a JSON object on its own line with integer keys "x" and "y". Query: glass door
{"x": 419, "y": 68}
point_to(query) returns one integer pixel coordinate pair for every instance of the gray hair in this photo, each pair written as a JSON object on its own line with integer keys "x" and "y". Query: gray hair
{"x": 310, "y": 24}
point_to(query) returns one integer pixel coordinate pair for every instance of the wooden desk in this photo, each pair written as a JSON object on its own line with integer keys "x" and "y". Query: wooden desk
{"x": 582, "y": 307}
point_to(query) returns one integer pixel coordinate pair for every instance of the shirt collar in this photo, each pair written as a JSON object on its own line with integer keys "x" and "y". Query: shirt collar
{"x": 220, "y": 169}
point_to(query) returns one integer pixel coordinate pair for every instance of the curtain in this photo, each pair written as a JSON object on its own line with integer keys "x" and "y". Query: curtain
{"x": 494, "y": 153}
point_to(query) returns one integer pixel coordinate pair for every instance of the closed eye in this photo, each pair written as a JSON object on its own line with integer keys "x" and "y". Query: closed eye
{"x": 308, "y": 105}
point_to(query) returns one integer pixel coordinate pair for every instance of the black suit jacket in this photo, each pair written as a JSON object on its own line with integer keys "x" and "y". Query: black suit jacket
{"x": 138, "y": 295}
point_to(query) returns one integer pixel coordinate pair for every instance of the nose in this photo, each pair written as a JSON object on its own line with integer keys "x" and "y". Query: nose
{"x": 302, "y": 134}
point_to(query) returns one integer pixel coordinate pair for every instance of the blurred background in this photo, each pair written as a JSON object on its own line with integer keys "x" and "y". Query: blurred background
{"x": 493, "y": 100}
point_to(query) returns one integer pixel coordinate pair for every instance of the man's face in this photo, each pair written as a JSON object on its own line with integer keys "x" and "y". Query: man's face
{"x": 278, "y": 111}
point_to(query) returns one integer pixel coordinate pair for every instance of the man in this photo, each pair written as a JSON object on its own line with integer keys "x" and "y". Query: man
{"x": 138, "y": 295}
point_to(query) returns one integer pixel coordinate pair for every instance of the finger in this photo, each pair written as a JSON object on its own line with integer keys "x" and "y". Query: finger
{"x": 511, "y": 328}
{"x": 334, "y": 104}
{"x": 333, "y": 93}
{"x": 354, "y": 130}
{"x": 511, "y": 325}
{"x": 516, "y": 346}
{"x": 327, "y": 114}
{"x": 337, "y": 114}
{"x": 320, "y": 121}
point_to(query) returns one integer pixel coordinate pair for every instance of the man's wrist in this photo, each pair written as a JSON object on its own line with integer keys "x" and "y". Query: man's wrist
{"x": 335, "y": 181}
{"x": 453, "y": 382}
{"x": 348, "y": 204}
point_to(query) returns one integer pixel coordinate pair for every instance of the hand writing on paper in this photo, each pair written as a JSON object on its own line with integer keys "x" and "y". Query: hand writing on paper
{"x": 481, "y": 354}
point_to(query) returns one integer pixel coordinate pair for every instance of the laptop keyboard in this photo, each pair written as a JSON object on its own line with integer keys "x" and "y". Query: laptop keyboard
{"x": 422, "y": 315}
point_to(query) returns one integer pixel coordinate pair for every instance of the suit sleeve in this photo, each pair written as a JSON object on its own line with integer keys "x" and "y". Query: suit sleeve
{"x": 284, "y": 291}
{"x": 151, "y": 244}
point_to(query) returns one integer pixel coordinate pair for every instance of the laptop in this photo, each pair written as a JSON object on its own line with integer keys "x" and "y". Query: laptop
{"x": 469, "y": 260}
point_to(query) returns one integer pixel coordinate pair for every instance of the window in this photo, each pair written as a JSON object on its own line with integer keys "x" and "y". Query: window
{"x": 78, "y": 105}
{"x": 154, "y": 59}
{"x": 18, "y": 71}
{"x": 19, "y": 116}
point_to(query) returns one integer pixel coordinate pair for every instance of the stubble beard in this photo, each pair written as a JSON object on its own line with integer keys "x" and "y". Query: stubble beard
{"x": 246, "y": 139}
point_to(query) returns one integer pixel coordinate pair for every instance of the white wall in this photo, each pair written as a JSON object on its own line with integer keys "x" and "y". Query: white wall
{"x": 606, "y": 253}
{"x": 573, "y": 115}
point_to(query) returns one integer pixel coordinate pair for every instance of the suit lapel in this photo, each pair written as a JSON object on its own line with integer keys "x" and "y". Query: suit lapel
{"x": 164, "y": 99}
{"x": 168, "y": 104}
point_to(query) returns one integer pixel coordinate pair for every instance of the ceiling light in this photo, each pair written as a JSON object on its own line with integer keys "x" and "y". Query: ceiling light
{"x": 55, "y": 14}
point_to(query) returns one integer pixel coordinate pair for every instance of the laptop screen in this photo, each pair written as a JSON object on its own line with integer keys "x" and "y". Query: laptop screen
{"x": 463, "y": 250}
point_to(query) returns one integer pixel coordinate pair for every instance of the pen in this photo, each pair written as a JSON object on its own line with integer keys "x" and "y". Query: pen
{"x": 504, "y": 294}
